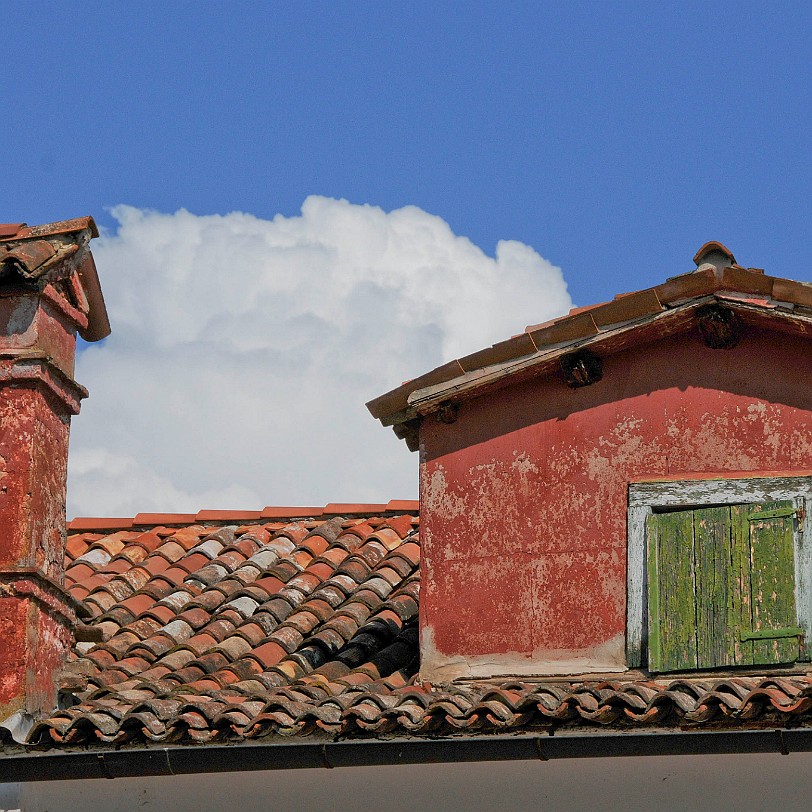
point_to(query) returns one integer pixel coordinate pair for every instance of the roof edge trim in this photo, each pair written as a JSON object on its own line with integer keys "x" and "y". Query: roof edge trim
{"x": 97, "y": 762}
{"x": 424, "y": 401}
{"x": 86, "y": 524}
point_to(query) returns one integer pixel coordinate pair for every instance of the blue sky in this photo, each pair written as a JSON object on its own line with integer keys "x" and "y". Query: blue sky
{"x": 612, "y": 137}
{"x": 609, "y": 140}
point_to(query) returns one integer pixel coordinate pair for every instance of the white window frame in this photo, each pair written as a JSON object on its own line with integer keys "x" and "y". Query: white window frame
{"x": 644, "y": 496}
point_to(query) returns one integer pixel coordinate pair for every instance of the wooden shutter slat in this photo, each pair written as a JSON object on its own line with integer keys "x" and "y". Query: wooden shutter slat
{"x": 721, "y": 586}
{"x": 773, "y": 634}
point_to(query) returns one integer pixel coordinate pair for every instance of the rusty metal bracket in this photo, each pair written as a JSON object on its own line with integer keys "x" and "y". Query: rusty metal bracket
{"x": 103, "y": 766}
{"x": 325, "y": 760}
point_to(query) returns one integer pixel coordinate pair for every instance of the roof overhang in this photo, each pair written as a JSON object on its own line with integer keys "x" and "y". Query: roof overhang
{"x": 631, "y": 319}
{"x": 634, "y": 333}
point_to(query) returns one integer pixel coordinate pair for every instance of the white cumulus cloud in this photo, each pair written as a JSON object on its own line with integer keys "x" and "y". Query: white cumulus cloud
{"x": 243, "y": 351}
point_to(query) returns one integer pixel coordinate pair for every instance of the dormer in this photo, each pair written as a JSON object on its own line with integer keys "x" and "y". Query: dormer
{"x": 624, "y": 489}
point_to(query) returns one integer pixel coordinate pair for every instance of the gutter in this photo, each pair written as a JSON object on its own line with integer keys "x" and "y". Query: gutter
{"x": 183, "y": 760}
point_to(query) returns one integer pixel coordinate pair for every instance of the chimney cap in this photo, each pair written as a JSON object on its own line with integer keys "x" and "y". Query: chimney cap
{"x": 36, "y": 248}
{"x": 704, "y": 254}
{"x": 22, "y": 231}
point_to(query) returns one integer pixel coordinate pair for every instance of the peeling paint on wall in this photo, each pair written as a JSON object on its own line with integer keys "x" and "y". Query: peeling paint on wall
{"x": 436, "y": 667}
{"x": 524, "y": 498}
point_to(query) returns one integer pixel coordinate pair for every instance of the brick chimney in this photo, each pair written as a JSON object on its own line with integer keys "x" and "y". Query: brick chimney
{"x": 49, "y": 291}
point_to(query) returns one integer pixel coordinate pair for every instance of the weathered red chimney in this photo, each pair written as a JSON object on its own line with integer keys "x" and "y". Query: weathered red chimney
{"x": 49, "y": 291}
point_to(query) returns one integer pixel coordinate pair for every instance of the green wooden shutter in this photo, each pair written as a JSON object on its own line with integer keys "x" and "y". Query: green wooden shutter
{"x": 671, "y": 592}
{"x": 721, "y": 587}
{"x": 770, "y": 622}
{"x": 714, "y": 591}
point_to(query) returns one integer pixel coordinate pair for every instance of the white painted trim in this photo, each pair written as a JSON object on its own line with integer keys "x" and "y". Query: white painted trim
{"x": 689, "y": 492}
{"x": 643, "y": 496}
{"x": 636, "y": 583}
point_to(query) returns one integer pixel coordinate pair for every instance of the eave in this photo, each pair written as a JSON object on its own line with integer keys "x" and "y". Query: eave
{"x": 630, "y": 319}
{"x": 633, "y": 333}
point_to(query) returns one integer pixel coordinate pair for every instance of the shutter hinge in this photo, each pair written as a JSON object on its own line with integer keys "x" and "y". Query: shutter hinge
{"x": 781, "y": 513}
{"x": 772, "y": 634}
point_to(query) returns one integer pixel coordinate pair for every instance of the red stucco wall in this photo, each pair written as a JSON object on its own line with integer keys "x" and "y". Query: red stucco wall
{"x": 524, "y": 498}
{"x": 14, "y": 670}
{"x": 33, "y": 475}
{"x": 33, "y": 649}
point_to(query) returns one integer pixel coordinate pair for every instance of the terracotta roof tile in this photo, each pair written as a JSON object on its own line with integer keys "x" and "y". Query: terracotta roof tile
{"x": 397, "y": 399}
{"x": 785, "y": 290}
{"x": 76, "y": 546}
{"x": 515, "y": 347}
{"x": 100, "y": 599}
{"x": 290, "y": 512}
{"x": 571, "y": 328}
{"x": 340, "y": 508}
{"x": 407, "y": 506}
{"x": 10, "y": 230}
{"x": 746, "y": 281}
{"x": 687, "y": 286}
{"x": 150, "y": 541}
{"x": 227, "y": 515}
{"x": 164, "y": 519}
{"x": 78, "y": 572}
{"x": 273, "y": 612}
{"x": 626, "y": 308}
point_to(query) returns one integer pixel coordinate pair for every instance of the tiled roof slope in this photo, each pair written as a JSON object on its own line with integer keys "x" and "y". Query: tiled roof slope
{"x": 221, "y": 630}
{"x": 206, "y": 623}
